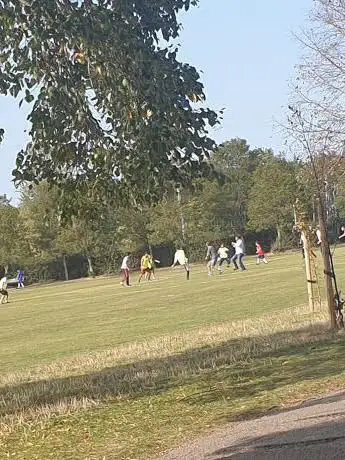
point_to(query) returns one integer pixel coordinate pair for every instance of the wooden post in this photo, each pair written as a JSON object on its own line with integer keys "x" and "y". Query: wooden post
{"x": 307, "y": 255}
{"x": 327, "y": 269}
{"x": 183, "y": 221}
{"x": 308, "y": 270}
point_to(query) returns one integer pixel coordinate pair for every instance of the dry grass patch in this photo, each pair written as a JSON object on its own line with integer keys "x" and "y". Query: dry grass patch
{"x": 259, "y": 330}
{"x": 151, "y": 367}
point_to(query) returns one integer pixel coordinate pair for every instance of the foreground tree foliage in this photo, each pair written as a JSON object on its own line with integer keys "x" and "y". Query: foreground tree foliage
{"x": 110, "y": 106}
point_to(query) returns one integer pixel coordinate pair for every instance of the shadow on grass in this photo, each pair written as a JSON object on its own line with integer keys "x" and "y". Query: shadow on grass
{"x": 236, "y": 369}
{"x": 316, "y": 442}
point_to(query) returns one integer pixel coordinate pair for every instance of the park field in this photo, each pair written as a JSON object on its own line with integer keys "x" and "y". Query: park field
{"x": 91, "y": 370}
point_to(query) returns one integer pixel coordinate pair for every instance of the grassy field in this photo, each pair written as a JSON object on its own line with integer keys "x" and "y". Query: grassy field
{"x": 92, "y": 370}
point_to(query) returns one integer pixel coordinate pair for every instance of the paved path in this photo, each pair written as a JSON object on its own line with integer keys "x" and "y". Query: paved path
{"x": 312, "y": 431}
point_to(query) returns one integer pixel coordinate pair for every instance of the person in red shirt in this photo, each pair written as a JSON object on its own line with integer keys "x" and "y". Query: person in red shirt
{"x": 260, "y": 254}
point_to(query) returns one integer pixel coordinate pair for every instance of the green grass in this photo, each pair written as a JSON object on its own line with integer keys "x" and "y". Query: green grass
{"x": 91, "y": 370}
{"x": 43, "y": 324}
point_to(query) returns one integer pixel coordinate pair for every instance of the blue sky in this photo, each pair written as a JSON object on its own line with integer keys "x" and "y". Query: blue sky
{"x": 247, "y": 53}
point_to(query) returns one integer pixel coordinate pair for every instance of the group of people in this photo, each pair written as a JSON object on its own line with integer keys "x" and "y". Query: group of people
{"x": 222, "y": 256}
{"x": 147, "y": 266}
{"x": 214, "y": 258}
{"x": 147, "y": 269}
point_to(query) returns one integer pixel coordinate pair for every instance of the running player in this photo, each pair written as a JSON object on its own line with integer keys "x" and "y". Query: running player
{"x": 180, "y": 258}
{"x": 211, "y": 257}
{"x": 145, "y": 267}
{"x": 260, "y": 254}
{"x": 223, "y": 253}
{"x": 237, "y": 258}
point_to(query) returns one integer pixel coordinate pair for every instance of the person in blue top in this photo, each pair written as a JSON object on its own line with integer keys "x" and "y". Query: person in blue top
{"x": 20, "y": 277}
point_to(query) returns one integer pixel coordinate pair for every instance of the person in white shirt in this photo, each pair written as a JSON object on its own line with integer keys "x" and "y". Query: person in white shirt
{"x": 318, "y": 236}
{"x": 223, "y": 253}
{"x": 125, "y": 271}
{"x": 180, "y": 258}
{"x": 342, "y": 233}
{"x": 237, "y": 258}
{"x": 3, "y": 290}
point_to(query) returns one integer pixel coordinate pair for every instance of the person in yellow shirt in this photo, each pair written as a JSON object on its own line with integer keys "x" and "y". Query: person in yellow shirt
{"x": 145, "y": 267}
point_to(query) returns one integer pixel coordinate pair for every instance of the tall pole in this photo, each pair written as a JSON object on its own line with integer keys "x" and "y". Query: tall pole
{"x": 328, "y": 271}
{"x": 183, "y": 221}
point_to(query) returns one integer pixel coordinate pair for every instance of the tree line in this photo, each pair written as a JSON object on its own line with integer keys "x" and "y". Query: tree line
{"x": 252, "y": 193}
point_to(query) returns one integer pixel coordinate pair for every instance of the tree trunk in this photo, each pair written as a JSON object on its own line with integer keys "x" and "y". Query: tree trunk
{"x": 309, "y": 274}
{"x": 64, "y": 261}
{"x": 150, "y": 250}
{"x": 279, "y": 238}
{"x": 327, "y": 269}
{"x": 314, "y": 213}
{"x": 90, "y": 267}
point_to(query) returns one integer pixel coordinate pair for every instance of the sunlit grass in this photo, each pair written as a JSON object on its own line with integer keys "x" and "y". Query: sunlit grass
{"x": 125, "y": 373}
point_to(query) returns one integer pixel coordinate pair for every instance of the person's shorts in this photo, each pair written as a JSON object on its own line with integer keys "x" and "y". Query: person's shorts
{"x": 262, "y": 256}
{"x": 213, "y": 262}
{"x": 145, "y": 270}
{"x": 3, "y": 292}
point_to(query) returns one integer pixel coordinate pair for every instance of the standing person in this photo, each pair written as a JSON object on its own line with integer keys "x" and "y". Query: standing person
{"x": 145, "y": 267}
{"x": 180, "y": 258}
{"x": 3, "y": 290}
{"x": 223, "y": 253}
{"x": 342, "y": 233}
{"x": 260, "y": 254}
{"x": 211, "y": 257}
{"x": 125, "y": 270}
{"x": 20, "y": 277}
{"x": 302, "y": 246}
{"x": 237, "y": 258}
{"x": 318, "y": 236}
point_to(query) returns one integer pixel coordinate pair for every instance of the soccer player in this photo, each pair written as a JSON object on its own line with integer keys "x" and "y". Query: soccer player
{"x": 125, "y": 270}
{"x": 223, "y": 253}
{"x": 3, "y": 290}
{"x": 260, "y": 254}
{"x": 145, "y": 267}
{"x": 180, "y": 258}
{"x": 211, "y": 257}
{"x": 153, "y": 266}
{"x": 237, "y": 258}
{"x": 342, "y": 233}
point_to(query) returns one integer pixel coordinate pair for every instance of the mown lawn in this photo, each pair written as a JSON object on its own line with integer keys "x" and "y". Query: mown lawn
{"x": 91, "y": 370}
